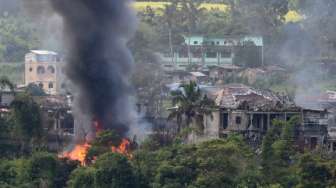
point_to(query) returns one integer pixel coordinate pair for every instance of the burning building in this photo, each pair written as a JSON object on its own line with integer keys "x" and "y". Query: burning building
{"x": 98, "y": 63}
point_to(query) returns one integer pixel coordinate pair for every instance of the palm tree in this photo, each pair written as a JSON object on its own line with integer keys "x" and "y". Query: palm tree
{"x": 190, "y": 105}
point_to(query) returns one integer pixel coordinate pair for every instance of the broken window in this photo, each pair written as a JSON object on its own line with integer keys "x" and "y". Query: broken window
{"x": 256, "y": 120}
{"x": 238, "y": 120}
{"x": 265, "y": 122}
{"x": 313, "y": 142}
{"x": 225, "y": 120}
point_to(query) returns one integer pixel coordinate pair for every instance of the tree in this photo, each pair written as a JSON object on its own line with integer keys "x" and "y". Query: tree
{"x": 26, "y": 119}
{"x": 190, "y": 105}
{"x": 35, "y": 90}
{"x": 102, "y": 144}
{"x": 8, "y": 173}
{"x": 169, "y": 18}
{"x": 41, "y": 170}
{"x": 314, "y": 172}
{"x": 82, "y": 178}
{"x": 110, "y": 170}
{"x": 114, "y": 171}
{"x": 6, "y": 84}
{"x": 263, "y": 16}
{"x": 17, "y": 38}
{"x": 216, "y": 163}
{"x": 278, "y": 152}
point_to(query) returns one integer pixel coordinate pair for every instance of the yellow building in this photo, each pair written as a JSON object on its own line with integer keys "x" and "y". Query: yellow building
{"x": 45, "y": 69}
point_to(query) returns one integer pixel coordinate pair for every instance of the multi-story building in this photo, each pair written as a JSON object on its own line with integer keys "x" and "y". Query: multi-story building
{"x": 251, "y": 112}
{"x": 208, "y": 51}
{"x": 45, "y": 69}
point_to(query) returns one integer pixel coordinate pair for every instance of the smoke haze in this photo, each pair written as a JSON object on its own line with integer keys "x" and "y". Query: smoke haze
{"x": 305, "y": 45}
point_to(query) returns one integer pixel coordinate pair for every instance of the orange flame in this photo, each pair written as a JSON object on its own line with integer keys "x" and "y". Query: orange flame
{"x": 123, "y": 148}
{"x": 78, "y": 153}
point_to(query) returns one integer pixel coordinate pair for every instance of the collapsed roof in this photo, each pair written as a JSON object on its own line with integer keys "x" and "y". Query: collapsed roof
{"x": 239, "y": 96}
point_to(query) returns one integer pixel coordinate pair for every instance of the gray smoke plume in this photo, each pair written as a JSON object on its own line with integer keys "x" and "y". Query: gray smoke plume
{"x": 307, "y": 44}
{"x": 99, "y": 63}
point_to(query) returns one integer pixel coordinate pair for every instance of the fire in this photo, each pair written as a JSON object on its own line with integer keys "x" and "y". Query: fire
{"x": 78, "y": 153}
{"x": 123, "y": 148}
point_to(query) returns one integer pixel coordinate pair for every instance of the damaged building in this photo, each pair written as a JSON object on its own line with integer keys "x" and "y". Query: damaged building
{"x": 57, "y": 119}
{"x": 250, "y": 112}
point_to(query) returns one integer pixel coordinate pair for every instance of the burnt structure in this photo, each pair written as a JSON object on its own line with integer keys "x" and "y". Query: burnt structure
{"x": 57, "y": 120}
{"x": 250, "y": 112}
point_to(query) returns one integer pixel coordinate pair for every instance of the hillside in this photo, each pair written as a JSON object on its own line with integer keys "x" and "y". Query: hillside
{"x": 292, "y": 15}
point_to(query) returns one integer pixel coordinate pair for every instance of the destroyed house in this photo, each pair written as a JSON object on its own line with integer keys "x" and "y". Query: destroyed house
{"x": 250, "y": 112}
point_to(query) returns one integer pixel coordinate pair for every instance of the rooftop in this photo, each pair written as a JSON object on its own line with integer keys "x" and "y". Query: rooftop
{"x": 43, "y": 52}
{"x": 239, "y": 96}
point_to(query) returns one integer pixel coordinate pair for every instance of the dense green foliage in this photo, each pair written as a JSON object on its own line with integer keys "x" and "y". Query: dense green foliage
{"x": 17, "y": 37}
{"x": 21, "y": 127}
{"x": 226, "y": 162}
{"x": 41, "y": 170}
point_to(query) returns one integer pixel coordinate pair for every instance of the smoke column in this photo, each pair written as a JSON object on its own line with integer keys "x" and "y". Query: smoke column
{"x": 98, "y": 61}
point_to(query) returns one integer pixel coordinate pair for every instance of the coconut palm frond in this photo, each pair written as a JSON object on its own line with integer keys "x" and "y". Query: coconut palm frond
{"x": 192, "y": 105}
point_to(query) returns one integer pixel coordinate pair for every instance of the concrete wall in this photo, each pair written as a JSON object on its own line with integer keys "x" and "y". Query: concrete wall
{"x": 211, "y": 129}
{"x": 234, "y": 125}
{"x": 212, "y": 124}
{"x": 50, "y": 81}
